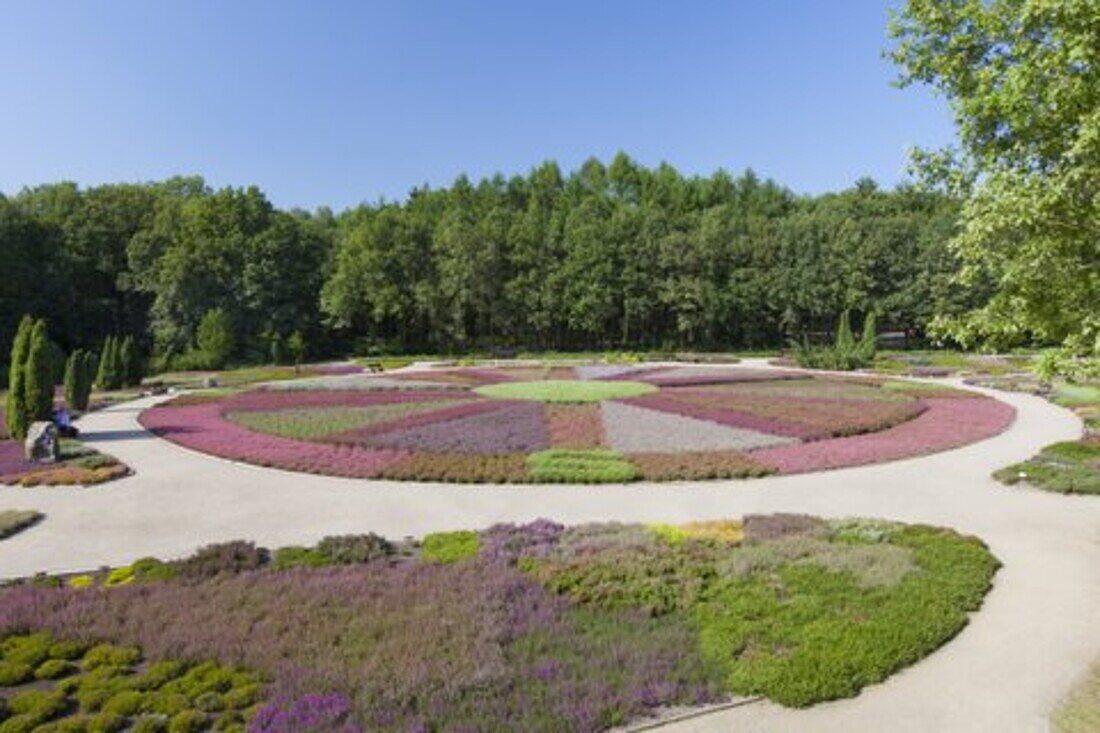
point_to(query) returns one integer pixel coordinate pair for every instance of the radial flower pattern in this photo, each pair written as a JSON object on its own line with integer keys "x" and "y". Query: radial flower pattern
{"x": 702, "y": 422}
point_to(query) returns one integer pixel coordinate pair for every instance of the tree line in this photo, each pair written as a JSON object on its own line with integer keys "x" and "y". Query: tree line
{"x": 606, "y": 256}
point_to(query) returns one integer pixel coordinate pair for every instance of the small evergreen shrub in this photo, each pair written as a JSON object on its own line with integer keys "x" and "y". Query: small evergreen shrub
{"x": 449, "y": 547}
{"x": 227, "y": 557}
{"x": 846, "y": 354}
{"x": 355, "y": 548}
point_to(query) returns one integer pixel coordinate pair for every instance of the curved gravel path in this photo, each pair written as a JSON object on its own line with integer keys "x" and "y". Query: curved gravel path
{"x": 1036, "y": 633}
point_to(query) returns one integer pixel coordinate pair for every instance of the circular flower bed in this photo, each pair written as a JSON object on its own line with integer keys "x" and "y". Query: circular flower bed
{"x": 583, "y": 425}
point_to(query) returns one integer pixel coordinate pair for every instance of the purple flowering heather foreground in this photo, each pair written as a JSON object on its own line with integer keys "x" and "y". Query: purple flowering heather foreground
{"x": 307, "y": 713}
{"x": 512, "y": 427}
{"x": 947, "y": 423}
{"x": 398, "y": 646}
{"x": 202, "y": 428}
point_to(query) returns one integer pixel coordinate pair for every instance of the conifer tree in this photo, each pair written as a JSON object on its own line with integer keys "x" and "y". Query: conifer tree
{"x": 130, "y": 359}
{"x": 39, "y": 374}
{"x": 103, "y": 375}
{"x": 867, "y": 341}
{"x": 845, "y": 341}
{"x": 17, "y": 412}
{"x": 91, "y": 364}
{"x": 74, "y": 376}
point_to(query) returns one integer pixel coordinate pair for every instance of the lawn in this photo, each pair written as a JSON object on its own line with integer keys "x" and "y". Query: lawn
{"x": 536, "y": 627}
{"x": 602, "y": 424}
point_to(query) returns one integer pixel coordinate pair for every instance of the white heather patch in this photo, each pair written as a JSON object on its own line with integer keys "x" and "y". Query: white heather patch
{"x": 633, "y": 429}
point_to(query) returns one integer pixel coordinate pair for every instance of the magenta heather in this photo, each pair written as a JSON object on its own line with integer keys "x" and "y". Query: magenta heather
{"x": 947, "y": 423}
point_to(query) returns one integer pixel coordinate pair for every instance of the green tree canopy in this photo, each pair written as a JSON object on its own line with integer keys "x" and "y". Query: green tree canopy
{"x": 1023, "y": 81}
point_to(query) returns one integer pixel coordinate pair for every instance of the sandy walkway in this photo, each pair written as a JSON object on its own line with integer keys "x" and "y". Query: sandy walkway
{"x": 1037, "y": 632}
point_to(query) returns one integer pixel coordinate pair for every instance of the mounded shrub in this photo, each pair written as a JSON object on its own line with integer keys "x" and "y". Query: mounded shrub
{"x": 354, "y": 548}
{"x": 226, "y": 557}
{"x": 449, "y": 547}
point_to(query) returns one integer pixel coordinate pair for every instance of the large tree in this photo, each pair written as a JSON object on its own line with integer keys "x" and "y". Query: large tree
{"x": 1023, "y": 80}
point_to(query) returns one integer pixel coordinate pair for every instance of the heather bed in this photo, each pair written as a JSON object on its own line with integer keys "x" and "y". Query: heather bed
{"x": 537, "y": 627}
{"x": 495, "y": 425}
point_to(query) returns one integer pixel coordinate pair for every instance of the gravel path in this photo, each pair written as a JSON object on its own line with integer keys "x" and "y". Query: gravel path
{"x": 633, "y": 429}
{"x": 1035, "y": 635}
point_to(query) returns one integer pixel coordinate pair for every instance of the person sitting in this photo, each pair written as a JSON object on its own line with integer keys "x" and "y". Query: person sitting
{"x": 64, "y": 423}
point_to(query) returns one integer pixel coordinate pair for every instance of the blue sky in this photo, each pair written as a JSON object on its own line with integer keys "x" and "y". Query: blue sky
{"x": 340, "y": 102}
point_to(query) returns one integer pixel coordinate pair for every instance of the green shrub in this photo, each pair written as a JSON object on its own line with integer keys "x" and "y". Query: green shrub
{"x": 126, "y": 703}
{"x": 449, "y": 547}
{"x": 82, "y": 581}
{"x": 210, "y": 702}
{"x": 242, "y": 696}
{"x": 97, "y": 460}
{"x": 150, "y": 569}
{"x": 14, "y": 673}
{"x": 296, "y": 557}
{"x": 166, "y": 703}
{"x": 580, "y": 466}
{"x": 106, "y": 723}
{"x": 30, "y": 649}
{"x": 187, "y": 721}
{"x": 226, "y": 557}
{"x": 158, "y": 674}
{"x": 109, "y": 655}
{"x": 20, "y": 724}
{"x": 67, "y": 650}
{"x": 119, "y": 576}
{"x": 846, "y": 353}
{"x": 38, "y": 703}
{"x": 150, "y": 724}
{"x": 230, "y": 722}
{"x": 53, "y": 669}
{"x": 354, "y": 549}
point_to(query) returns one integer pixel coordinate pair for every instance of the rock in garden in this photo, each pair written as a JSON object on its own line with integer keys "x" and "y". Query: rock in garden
{"x": 42, "y": 445}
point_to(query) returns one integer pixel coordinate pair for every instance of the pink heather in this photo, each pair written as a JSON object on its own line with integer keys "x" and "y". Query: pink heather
{"x": 947, "y": 423}
{"x": 202, "y": 428}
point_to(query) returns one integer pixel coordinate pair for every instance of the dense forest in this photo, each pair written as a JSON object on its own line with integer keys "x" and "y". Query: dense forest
{"x": 609, "y": 256}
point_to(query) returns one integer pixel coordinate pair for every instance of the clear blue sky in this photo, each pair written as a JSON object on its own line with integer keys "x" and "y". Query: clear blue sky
{"x": 340, "y": 102}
